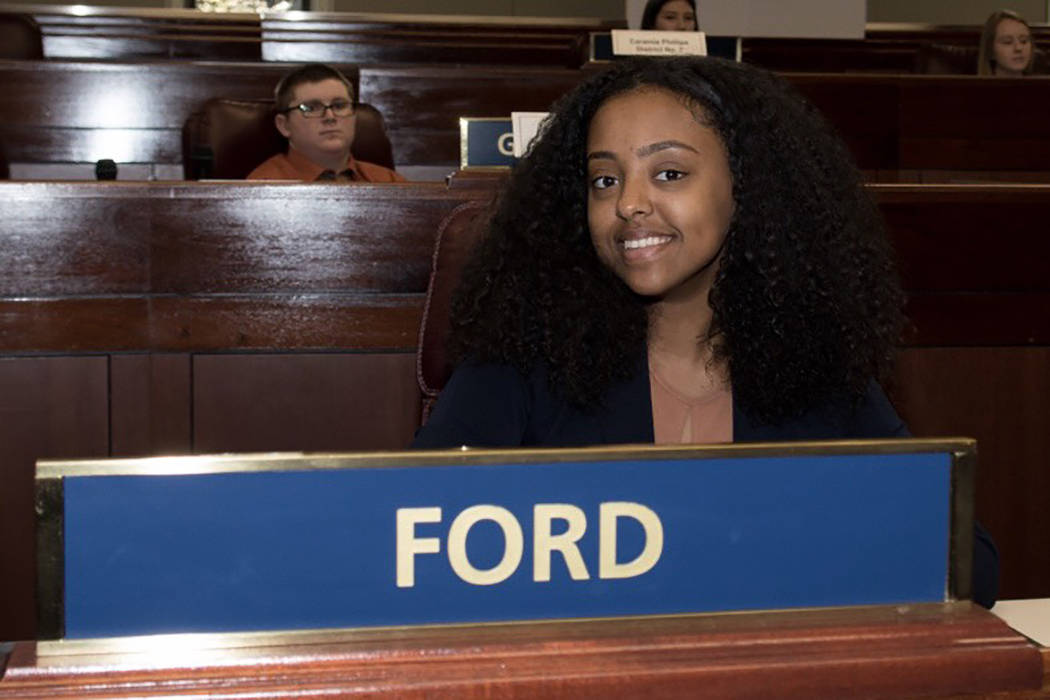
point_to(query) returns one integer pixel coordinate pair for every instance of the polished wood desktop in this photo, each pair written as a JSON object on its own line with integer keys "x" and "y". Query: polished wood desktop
{"x": 948, "y": 650}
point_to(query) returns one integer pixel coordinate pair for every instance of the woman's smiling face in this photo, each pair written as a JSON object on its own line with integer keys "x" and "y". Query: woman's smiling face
{"x": 660, "y": 193}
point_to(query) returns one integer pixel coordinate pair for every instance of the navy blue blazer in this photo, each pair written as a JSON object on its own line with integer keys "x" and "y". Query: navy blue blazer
{"x": 489, "y": 405}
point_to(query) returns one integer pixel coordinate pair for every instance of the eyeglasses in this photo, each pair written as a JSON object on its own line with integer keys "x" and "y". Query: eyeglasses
{"x": 315, "y": 109}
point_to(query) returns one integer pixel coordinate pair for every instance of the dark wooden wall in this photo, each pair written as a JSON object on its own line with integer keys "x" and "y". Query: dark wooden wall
{"x": 157, "y": 319}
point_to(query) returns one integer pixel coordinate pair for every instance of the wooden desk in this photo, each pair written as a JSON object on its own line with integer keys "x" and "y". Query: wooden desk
{"x": 430, "y": 39}
{"x": 887, "y": 47}
{"x": 170, "y": 318}
{"x": 918, "y": 128}
{"x": 78, "y": 112}
{"x": 934, "y": 651}
{"x": 910, "y": 128}
{"x": 123, "y": 34}
{"x": 178, "y": 318}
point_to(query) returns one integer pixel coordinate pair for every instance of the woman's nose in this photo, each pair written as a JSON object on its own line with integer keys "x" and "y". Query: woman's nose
{"x": 634, "y": 201}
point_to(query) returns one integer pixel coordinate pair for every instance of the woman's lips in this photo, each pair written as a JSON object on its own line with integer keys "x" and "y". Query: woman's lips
{"x": 642, "y": 248}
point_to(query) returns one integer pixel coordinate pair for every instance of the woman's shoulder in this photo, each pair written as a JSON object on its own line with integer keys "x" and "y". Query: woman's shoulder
{"x": 869, "y": 416}
{"x": 483, "y": 405}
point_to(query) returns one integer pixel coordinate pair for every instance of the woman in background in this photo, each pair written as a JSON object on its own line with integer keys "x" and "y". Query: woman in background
{"x": 670, "y": 15}
{"x": 1006, "y": 46}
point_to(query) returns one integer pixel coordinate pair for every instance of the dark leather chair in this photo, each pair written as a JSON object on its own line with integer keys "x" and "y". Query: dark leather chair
{"x": 456, "y": 237}
{"x": 5, "y": 169}
{"x": 226, "y": 139}
{"x": 20, "y": 38}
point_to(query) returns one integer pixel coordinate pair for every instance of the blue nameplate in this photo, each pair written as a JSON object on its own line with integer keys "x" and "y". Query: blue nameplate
{"x": 485, "y": 143}
{"x": 487, "y": 536}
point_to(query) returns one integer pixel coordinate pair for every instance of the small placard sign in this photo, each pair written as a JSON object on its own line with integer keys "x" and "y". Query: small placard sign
{"x": 284, "y": 542}
{"x": 526, "y": 126}
{"x": 728, "y": 47}
{"x": 637, "y": 42}
{"x": 485, "y": 142}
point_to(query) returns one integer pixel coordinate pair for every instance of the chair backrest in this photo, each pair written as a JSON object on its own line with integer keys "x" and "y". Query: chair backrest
{"x": 226, "y": 139}
{"x": 946, "y": 59}
{"x": 20, "y": 38}
{"x": 456, "y": 237}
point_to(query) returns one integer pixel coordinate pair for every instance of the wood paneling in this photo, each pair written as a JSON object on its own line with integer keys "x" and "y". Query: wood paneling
{"x": 1001, "y": 396}
{"x": 975, "y": 262}
{"x": 885, "y": 48}
{"x": 306, "y": 402}
{"x": 374, "y": 322}
{"x": 123, "y": 34}
{"x": 150, "y": 404}
{"x": 885, "y": 652}
{"x": 422, "y": 104}
{"x": 79, "y": 111}
{"x": 129, "y": 95}
{"x": 429, "y": 39}
{"x": 107, "y": 33}
{"x": 155, "y": 267}
{"x": 71, "y": 112}
{"x": 49, "y": 407}
{"x": 362, "y": 37}
{"x": 305, "y": 298}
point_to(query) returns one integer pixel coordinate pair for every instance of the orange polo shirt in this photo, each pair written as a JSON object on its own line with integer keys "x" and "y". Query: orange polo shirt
{"x": 293, "y": 165}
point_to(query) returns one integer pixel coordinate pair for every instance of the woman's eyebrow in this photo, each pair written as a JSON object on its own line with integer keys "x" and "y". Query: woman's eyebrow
{"x": 644, "y": 150}
{"x": 662, "y": 146}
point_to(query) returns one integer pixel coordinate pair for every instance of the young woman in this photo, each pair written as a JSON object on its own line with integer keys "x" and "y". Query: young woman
{"x": 670, "y": 15}
{"x": 1006, "y": 46}
{"x": 686, "y": 254}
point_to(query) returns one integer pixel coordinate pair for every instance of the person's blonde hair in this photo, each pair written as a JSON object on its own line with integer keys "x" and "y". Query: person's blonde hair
{"x": 986, "y": 54}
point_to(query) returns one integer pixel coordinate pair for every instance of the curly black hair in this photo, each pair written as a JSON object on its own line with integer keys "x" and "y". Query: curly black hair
{"x": 806, "y": 301}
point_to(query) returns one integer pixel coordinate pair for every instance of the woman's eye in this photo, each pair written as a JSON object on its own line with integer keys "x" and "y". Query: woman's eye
{"x": 602, "y": 182}
{"x": 670, "y": 175}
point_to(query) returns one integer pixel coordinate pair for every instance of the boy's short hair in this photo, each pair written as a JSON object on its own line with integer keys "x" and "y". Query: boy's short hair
{"x": 310, "y": 73}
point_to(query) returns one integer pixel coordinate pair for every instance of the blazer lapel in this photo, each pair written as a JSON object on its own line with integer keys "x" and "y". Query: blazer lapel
{"x": 627, "y": 417}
